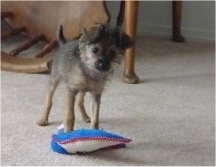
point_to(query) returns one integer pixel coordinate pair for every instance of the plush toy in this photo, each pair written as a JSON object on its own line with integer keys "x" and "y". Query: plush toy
{"x": 86, "y": 140}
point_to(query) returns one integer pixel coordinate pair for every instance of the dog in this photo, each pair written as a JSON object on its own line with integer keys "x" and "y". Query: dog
{"x": 84, "y": 65}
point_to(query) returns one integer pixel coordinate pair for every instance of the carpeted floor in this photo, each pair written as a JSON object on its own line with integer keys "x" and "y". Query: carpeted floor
{"x": 169, "y": 115}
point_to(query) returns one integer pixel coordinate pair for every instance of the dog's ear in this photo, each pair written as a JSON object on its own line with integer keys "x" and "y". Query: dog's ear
{"x": 100, "y": 33}
{"x": 94, "y": 33}
{"x": 85, "y": 36}
{"x": 60, "y": 36}
{"x": 123, "y": 40}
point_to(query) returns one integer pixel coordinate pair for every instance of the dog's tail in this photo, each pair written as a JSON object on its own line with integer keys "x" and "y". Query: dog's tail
{"x": 60, "y": 36}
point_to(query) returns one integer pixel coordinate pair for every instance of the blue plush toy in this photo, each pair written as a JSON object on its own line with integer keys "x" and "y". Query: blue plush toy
{"x": 85, "y": 140}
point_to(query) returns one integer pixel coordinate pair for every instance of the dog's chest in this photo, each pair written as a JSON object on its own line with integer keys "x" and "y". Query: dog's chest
{"x": 77, "y": 79}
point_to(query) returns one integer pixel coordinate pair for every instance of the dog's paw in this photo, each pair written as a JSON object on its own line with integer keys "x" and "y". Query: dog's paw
{"x": 43, "y": 122}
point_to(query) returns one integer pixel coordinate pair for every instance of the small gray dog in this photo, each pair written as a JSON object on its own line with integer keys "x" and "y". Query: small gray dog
{"x": 84, "y": 64}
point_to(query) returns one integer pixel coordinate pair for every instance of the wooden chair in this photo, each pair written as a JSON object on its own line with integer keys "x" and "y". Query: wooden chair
{"x": 40, "y": 23}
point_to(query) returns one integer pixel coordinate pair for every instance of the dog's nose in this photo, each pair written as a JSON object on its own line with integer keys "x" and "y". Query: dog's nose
{"x": 102, "y": 65}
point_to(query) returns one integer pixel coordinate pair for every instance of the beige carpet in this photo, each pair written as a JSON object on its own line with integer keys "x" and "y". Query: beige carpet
{"x": 169, "y": 115}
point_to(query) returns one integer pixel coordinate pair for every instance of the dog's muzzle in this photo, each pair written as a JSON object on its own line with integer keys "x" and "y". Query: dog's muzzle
{"x": 102, "y": 65}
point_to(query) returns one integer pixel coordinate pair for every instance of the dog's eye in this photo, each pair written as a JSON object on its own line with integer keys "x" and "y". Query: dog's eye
{"x": 95, "y": 50}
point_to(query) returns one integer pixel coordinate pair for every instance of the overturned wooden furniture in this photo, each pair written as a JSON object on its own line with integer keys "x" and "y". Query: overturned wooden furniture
{"x": 40, "y": 23}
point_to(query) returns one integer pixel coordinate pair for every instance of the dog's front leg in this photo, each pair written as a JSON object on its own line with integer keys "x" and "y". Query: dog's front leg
{"x": 95, "y": 107}
{"x": 80, "y": 102}
{"x": 69, "y": 111}
{"x": 43, "y": 121}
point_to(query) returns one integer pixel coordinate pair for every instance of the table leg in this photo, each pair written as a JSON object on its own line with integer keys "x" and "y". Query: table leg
{"x": 131, "y": 11}
{"x": 177, "y": 10}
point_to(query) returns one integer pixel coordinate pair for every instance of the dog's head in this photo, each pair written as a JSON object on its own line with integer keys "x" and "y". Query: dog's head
{"x": 101, "y": 46}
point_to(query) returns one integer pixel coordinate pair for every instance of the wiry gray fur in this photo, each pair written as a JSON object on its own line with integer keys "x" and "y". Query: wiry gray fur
{"x": 72, "y": 56}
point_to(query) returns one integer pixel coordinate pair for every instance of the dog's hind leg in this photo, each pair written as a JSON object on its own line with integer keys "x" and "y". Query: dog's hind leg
{"x": 80, "y": 103}
{"x": 43, "y": 121}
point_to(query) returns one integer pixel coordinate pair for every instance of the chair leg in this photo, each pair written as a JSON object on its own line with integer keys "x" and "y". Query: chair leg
{"x": 26, "y": 45}
{"x": 177, "y": 10}
{"x": 131, "y": 11}
{"x": 47, "y": 48}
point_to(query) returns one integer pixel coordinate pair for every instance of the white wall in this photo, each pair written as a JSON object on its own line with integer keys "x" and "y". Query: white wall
{"x": 155, "y": 18}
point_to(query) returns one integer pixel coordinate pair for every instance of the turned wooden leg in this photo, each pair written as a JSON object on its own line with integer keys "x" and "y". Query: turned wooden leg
{"x": 131, "y": 11}
{"x": 26, "y": 45}
{"x": 48, "y": 48}
{"x": 176, "y": 33}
